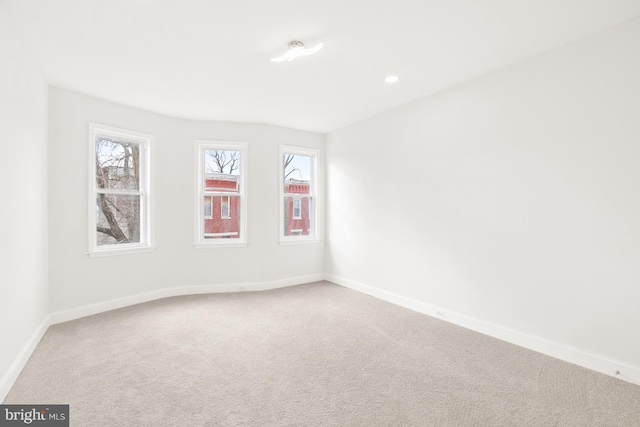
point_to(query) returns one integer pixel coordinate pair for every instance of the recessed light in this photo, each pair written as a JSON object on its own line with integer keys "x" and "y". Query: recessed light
{"x": 392, "y": 79}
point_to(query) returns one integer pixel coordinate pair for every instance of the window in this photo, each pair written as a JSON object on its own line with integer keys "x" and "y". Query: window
{"x": 224, "y": 207}
{"x": 208, "y": 207}
{"x": 297, "y": 209}
{"x": 220, "y": 198}
{"x": 297, "y": 194}
{"x": 119, "y": 191}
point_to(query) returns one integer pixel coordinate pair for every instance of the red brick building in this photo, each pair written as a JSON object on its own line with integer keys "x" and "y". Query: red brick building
{"x": 297, "y": 204}
{"x": 221, "y": 212}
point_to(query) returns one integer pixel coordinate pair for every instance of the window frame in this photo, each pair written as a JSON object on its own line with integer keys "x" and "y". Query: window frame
{"x": 201, "y": 146}
{"x": 313, "y": 237}
{"x": 145, "y": 192}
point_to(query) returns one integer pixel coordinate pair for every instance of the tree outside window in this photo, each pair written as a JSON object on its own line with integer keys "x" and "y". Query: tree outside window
{"x": 120, "y": 189}
{"x": 221, "y": 187}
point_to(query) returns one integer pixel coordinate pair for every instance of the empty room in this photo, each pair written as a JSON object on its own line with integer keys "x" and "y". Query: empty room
{"x": 338, "y": 213}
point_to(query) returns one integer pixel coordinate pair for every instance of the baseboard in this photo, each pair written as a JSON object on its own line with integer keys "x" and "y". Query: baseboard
{"x": 7, "y": 380}
{"x": 595, "y": 362}
{"x": 91, "y": 309}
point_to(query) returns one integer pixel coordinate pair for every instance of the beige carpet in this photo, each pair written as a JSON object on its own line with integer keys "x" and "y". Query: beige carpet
{"x": 311, "y": 355}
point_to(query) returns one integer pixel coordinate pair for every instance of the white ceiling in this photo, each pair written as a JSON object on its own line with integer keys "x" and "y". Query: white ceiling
{"x": 209, "y": 59}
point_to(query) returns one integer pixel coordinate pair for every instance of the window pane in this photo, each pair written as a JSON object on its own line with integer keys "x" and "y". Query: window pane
{"x": 208, "y": 212}
{"x": 297, "y": 173}
{"x": 117, "y": 219}
{"x": 297, "y": 210}
{"x": 117, "y": 164}
{"x": 221, "y": 170}
{"x": 224, "y": 207}
{"x": 221, "y": 226}
{"x": 297, "y": 225}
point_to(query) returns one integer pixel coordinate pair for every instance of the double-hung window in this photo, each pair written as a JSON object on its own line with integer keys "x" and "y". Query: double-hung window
{"x": 221, "y": 203}
{"x": 119, "y": 191}
{"x": 297, "y": 194}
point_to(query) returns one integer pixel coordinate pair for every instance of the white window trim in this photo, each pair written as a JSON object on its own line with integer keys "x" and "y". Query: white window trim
{"x": 313, "y": 193}
{"x": 199, "y": 240}
{"x": 146, "y": 201}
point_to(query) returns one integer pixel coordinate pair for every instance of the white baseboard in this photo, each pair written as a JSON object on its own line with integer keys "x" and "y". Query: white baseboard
{"x": 573, "y": 355}
{"x": 7, "y": 380}
{"x": 596, "y": 362}
{"x": 91, "y": 309}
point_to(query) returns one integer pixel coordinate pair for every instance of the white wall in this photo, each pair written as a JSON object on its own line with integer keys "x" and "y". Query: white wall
{"x": 77, "y": 280}
{"x": 512, "y": 199}
{"x": 23, "y": 205}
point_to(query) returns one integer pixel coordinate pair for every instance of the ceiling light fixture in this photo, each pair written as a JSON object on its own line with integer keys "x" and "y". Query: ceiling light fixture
{"x": 392, "y": 79}
{"x": 296, "y": 49}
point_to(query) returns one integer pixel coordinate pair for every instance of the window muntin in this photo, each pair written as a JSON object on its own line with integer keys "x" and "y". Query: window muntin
{"x": 221, "y": 189}
{"x": 297, "y": 194}
{"x": 119, "y": 216}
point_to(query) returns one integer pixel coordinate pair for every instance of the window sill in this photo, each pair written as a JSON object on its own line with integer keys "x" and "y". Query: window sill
{"x": 120, "y": 251}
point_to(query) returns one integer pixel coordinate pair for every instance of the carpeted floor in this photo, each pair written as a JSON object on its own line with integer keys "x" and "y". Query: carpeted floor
{"x": 310, "y": 355}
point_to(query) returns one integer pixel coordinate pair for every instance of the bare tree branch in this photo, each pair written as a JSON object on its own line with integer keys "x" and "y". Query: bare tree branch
{"x": 116, "y": 231}
{"x": 222, "y": 159}
{"x": 288, "y": 158}
{"x": 106, "y": 231}
{"x": 114, "y": 163}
